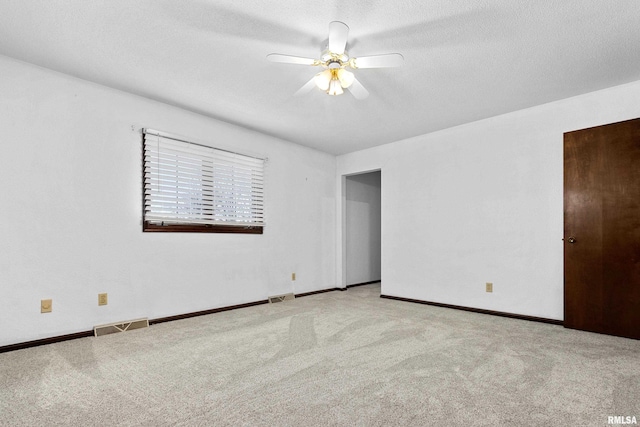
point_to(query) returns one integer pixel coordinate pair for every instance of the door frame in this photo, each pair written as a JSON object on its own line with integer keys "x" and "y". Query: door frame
{"x": 341, "y": 259}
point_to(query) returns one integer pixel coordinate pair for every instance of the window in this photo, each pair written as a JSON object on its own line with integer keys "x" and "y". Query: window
{"x": 190, "y": 187}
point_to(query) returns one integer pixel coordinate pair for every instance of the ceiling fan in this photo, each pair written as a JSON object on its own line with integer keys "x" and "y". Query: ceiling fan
{"x": 336, "y": 60}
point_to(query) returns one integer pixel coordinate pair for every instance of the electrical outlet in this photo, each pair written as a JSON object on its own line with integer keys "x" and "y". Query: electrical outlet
{"x": 46, "y": 306}
{"x": 293, "y": 277}
{"x": 489, "y": 287}
{"x": 102, "y": 299}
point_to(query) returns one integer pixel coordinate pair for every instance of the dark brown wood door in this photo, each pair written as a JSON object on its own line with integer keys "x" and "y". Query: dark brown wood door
{"x": 602, "y": 229}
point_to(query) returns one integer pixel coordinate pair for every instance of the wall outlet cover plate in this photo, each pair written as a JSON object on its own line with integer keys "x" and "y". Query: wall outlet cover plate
{"x": 103, "y": 299}
{"x": 46, "y": 306}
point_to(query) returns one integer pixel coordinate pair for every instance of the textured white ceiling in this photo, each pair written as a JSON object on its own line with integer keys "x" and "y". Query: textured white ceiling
{"x": 464, "y": 60}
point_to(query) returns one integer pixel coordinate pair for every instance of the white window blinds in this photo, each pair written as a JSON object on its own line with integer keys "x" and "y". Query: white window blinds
{"x": 187, "y": 183}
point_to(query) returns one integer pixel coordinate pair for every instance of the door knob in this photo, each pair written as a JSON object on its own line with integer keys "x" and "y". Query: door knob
{"x": 572, "y": 239}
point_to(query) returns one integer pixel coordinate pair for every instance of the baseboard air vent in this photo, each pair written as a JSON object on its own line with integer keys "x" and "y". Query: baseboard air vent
{"x": 112, "y": 328}
{"x": 280, "y": 298}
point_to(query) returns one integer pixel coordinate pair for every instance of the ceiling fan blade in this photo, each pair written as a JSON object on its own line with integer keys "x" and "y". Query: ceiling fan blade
{"x": 379, "y": 61}
{"x": 338, "y": 33}
{"x": 308, "y": 87}
{"x": 357, "y": 90}
{"x": 289, "y": 59}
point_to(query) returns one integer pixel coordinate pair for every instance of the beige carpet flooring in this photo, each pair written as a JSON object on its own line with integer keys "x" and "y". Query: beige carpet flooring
{"x": 333, "y": 359}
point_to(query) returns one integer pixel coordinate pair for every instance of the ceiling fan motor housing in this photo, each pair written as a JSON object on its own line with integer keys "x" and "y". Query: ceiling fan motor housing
{"x": 328, "y": 57}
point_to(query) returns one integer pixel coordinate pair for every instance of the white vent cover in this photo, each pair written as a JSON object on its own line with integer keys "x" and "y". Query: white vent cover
{"x": 113, "y": 328}
{"x": 280, "y": 298}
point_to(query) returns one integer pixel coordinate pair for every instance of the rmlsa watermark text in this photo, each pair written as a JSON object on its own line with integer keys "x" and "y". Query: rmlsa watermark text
{"x": 621, "y": 419}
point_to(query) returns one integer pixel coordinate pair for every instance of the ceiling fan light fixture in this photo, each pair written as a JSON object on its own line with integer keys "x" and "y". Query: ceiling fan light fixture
{"x": 335, "y": 88}
{"x": 346, "y": 78}
{"x": 323, "y": 80}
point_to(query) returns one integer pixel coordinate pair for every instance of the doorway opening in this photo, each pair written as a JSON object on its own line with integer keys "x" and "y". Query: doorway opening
{"x": 363, "y": 229}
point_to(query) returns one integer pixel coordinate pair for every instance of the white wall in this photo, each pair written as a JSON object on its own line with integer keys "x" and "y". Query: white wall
{"x": 70, "y": 212}
{"x": 362, "y": 229}
{"x": 482, "y": 202}
{"x": 476, "y": 203}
